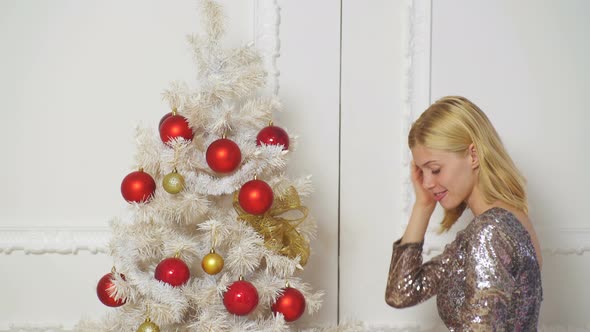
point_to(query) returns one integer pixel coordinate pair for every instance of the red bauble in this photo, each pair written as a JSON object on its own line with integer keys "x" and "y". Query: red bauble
{"x": 172, "y": 271}
{"x": 273, "y": 135}
{"x": 138, "y": 187}
{"x": 224, "y": 155}
{"x": 255, "y": 197}
{"x": 102, "y": 290}
{"x": 175, "y": 126}
{"x": 291, "y": 304}
{"x": 166, "y": 116}
{"x": 241, "y": 298}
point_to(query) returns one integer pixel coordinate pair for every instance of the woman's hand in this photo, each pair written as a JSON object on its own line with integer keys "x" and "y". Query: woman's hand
{"x": 423, "y": 208}
{"x": 424, "y": 198}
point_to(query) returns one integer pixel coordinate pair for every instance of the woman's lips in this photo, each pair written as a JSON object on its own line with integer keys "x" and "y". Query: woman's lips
{"x": 440, "y": 195}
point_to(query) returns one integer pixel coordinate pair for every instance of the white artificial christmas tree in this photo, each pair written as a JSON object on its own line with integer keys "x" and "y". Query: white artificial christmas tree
{"x": 206, "y": 221}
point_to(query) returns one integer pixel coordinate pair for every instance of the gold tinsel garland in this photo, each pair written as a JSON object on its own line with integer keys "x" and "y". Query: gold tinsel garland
{"x": 280, "y": 233}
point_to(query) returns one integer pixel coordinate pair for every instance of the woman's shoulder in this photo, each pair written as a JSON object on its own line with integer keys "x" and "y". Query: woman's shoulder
{"x": 495, "y": 224}
{"x": 498, "y": 235}
{"x": 495, "y": 216}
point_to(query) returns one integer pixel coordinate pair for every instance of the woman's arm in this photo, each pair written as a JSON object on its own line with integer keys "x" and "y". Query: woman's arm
{"x": 418, "y": 224}
{"x": 489, "y": 282}
{"x": 409, "y": 281}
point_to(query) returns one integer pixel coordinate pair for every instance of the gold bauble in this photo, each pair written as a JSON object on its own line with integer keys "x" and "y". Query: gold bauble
{"x": 212, "y": 263}
{"x": 148, "y": 326}
{"x": 173, "y": 183}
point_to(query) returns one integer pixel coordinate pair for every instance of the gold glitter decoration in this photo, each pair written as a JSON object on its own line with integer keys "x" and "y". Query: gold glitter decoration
{"x": 280, "y": 233}
{"x": 148, "y": 326}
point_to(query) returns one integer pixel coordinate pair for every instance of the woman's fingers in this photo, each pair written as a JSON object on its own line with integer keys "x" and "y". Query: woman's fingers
{"x": 416, "y": 173}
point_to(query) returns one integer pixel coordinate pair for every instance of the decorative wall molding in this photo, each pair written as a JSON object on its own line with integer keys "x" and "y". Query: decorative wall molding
{"x": 267, "y": 20}
{"x": 34, "y": 328}
{"x": 62, "y": 240}
{"x": 564, "y": 241}
{"x": 416, "y": 83}
{"x": 70, "y": 241}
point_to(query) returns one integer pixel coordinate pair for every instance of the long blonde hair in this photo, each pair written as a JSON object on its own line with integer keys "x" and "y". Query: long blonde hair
{"x": 451, "y": 124}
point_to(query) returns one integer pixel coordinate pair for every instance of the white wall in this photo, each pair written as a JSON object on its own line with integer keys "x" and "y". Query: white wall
{"x": 309, "y": 90}
{"x": 372, "y": 58}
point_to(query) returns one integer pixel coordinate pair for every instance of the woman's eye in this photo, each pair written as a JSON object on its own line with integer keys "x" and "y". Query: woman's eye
{"x": 435, "y": 171}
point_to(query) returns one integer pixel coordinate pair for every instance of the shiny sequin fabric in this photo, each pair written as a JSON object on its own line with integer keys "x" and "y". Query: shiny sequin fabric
{"x": 487, "y": 279}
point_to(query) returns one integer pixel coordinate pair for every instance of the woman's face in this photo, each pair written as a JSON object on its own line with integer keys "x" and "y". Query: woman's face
{"x": 450, "y": 177}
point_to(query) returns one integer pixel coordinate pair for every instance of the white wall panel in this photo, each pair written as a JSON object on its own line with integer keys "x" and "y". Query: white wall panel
{"x": 309, "y": 76}
{"x": 371, "y": 148}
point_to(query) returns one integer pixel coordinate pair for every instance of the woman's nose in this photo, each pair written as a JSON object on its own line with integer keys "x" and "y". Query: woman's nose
{"x": 427, "y": 182}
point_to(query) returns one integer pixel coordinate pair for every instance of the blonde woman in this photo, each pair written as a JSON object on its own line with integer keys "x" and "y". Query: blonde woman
{"x": 489, "y": 277}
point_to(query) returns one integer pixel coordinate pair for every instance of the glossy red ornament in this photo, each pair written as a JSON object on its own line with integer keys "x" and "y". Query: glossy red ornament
{"x": 255, "y": 197}
{"x": 241, "y": 298}
{"x": 102, "y": 290}
{"x": 175, "y": 126}
{"x": 273, "y": 135}
{"x": 223, "y": 156}
{"x": 291, "y": 304}
{"x": 138, "y": 187}
{"x": 172, "y": 271}
{"x": 166, "y": 116}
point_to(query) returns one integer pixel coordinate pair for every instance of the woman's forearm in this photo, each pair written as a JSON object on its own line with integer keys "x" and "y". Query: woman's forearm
{"x": 417, "y": 224}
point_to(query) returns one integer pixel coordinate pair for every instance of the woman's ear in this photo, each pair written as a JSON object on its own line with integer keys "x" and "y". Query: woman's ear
{"x": 473, "y": 156}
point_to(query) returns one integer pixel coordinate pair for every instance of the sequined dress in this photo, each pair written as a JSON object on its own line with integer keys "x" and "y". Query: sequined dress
{"x": 487, "y": 279}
